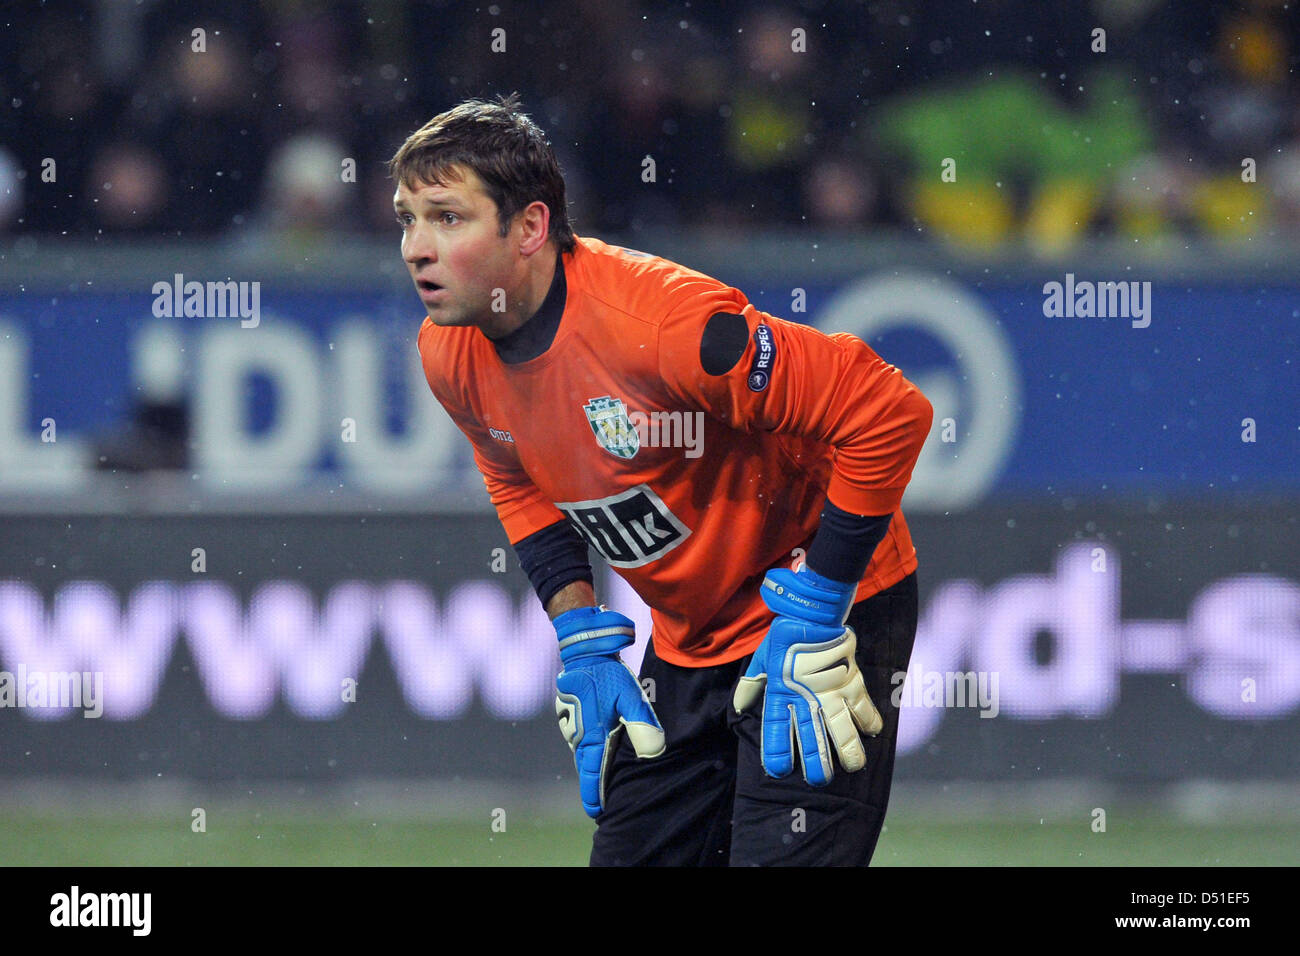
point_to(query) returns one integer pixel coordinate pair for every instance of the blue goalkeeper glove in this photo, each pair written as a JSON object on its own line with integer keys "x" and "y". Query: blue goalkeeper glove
{"x": 597, "y": 695}
{"x": 806, "y": 673}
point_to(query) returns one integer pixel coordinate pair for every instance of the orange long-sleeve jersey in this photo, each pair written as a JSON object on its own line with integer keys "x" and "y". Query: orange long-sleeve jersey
{"x": 690, "y": 484}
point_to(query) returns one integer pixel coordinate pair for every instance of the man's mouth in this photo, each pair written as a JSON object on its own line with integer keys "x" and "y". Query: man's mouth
{"x": 428, "y": 290}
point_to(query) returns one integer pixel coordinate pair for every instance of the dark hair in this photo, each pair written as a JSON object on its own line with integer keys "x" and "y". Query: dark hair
{"x": 505, "y": 149}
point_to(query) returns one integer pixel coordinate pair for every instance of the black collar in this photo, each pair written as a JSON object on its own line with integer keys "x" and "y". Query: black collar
{"x": 535, "y": 336}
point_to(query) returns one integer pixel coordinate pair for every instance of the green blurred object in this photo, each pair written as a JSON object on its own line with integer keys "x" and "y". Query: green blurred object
{"x": 1010, "y": 128}
{"x": 1024, "y": 163}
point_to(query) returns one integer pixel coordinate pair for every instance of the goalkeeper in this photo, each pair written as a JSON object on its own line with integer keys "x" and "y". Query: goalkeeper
{"x": 767, "y": 541}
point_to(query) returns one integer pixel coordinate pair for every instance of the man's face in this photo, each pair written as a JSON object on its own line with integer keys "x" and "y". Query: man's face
{"x": 454, "y": 250}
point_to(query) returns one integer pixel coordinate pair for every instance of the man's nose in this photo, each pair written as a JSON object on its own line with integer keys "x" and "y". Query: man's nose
{"x": 419, "y": 247}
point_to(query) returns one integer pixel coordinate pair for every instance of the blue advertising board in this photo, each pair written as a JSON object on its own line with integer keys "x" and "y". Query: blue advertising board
{"x": 1186, "y": 389}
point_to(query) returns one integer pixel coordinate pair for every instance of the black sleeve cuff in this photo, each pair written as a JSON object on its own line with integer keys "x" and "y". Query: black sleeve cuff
{"x": 554, "y": 557}
{"x": 845, "y": 542}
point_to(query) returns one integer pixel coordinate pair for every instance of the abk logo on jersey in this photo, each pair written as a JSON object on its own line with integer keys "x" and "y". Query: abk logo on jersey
{"x": 760, "y": 370}
{"x": 629, "y": 529}
{"x": 613, "y": 429}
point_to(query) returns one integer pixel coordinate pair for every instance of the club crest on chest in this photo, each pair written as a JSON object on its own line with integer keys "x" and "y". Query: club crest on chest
{"x": 612, "y": 427}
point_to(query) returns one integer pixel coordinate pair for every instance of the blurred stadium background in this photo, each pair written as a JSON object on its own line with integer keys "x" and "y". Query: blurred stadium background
{"x": 262, "y": 531}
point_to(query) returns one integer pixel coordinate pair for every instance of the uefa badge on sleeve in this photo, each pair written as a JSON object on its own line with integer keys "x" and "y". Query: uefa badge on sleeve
{"x": 611, "y": 426}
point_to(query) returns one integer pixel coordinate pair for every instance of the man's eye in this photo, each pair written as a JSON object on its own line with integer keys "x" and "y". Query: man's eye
{"x": 402, "y": 219}
{"x": 445, "y": 215}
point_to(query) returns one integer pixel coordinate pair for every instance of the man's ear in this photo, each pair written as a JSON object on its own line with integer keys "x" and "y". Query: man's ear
{"x": 535, "y": 218}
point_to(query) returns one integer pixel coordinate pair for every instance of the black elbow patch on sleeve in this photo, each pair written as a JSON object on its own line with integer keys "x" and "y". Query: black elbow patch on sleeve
{"x": 723, "y": 342}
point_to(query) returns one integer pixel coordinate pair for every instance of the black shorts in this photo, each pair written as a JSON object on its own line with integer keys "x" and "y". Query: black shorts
{"x": 707, "y": 802}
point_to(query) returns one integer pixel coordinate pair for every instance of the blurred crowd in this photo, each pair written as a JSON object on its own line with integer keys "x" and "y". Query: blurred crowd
{"x": 237, "y": 120}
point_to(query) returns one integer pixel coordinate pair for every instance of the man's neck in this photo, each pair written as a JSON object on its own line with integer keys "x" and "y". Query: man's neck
{"x": 531, "y": 294}
{"x": 535, "y": 336}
